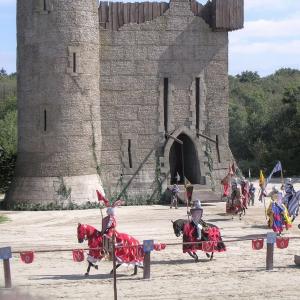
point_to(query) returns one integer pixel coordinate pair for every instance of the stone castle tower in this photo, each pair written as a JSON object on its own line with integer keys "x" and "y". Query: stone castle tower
{"x": 104, "y": 91}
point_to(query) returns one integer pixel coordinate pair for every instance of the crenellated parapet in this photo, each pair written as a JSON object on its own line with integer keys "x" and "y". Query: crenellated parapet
{"x": 221, "y": 15}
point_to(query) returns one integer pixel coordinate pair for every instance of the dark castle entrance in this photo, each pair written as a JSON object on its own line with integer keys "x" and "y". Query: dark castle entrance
{"x": 190, "y": 159}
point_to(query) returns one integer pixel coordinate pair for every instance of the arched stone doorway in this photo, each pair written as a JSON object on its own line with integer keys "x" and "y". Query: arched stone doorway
{"x": 188, "y": 161}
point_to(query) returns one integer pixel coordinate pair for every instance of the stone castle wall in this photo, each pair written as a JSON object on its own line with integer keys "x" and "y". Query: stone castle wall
{"x": 134, "y": 60}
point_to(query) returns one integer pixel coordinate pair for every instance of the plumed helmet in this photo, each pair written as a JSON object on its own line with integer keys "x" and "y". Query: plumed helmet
{"x": 289, "y": 181}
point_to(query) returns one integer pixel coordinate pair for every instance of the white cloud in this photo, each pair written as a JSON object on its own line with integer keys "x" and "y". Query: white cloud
{"x": 284, "y": 48}
{"x": 288, "y": 28}
{"x": 268, "y": 4}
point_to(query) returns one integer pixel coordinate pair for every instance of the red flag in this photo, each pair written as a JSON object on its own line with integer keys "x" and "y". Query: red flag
{"x": 257, "y": 244}
{"x": 282, "y": 242}
{"x": 27, "y": 257}
{"x": 208, "y": 246}
{"x": 78, "y": 255}
{"x": 101, "y": 198}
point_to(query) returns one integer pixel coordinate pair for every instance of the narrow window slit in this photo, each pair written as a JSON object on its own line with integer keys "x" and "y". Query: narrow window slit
{"x": 74, "y": 62}
{"x": 166, "y": 94}
{"x": 45, "y": 5}
{"x": 197, "y": 94}
{"x": 45, "y": 120}
{"x": 129, "y": 154}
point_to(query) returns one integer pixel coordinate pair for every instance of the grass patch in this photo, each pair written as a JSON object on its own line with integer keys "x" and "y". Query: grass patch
{"x": 3, "y": 219}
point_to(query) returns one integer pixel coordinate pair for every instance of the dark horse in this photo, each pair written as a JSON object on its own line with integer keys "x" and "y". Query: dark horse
{"x": 188, "y": 231}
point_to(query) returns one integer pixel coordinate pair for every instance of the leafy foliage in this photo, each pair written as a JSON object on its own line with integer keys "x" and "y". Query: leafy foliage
{"x": 8, "y": 126}
{"x": 264, "y": 116}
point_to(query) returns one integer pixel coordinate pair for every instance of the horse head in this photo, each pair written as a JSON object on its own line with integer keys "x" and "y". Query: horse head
{"x": 178, "y": 226}
{"x": 81, "y": 233}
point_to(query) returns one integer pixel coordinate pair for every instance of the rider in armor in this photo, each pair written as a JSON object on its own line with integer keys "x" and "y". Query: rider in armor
{"x": 109, "y": 222}
{"x": 289, "y": 192}
{"x": 196, "y": 213}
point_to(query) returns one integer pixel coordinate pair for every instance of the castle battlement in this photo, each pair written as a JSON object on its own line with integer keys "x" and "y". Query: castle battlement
{"x": 221, "y": 15}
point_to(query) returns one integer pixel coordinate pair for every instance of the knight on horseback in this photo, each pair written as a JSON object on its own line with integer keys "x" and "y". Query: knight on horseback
{"x": 236, "y": 203}
{"x": 197, "y": 234}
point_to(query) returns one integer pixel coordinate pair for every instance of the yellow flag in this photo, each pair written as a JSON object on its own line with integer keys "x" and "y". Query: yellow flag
{"x": 261, "y": 179}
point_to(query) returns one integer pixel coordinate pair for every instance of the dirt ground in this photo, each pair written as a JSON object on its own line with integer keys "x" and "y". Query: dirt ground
{"x": 238, "y": 273}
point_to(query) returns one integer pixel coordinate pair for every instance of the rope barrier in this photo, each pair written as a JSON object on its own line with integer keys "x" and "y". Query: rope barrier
{"x": 118, "y": 246}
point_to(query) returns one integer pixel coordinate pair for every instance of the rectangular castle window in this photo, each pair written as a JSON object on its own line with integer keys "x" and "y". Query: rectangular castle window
{"x": 197, "y": 95}
{"x": 129, "y": 154}
{"x": 166, "y": 94}
{"x": 45, "y": 5}
{"x": 45, "y": 120}
{"x": 74, "y": 62}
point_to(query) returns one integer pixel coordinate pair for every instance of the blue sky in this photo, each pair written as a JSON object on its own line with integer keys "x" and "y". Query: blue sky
{"x": 269, "y": 41}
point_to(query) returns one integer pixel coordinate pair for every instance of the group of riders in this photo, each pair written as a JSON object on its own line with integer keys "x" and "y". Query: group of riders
{"x": 281, "y": 211}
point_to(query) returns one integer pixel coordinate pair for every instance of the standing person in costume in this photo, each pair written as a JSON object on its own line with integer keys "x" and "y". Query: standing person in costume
{"x": 251, "y": 194}
{"x": 245, "y": 192}
{"x": 277, "y": 212}
{"x": 189, "y": 193}
{"x": 174, "y": 196}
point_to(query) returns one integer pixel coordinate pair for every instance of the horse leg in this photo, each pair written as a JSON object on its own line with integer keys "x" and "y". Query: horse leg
{"x": 212, "y": 256}
{"x": 112, "y": 271}
{"x": 207, "y": 255}
{"x": 88, "y": 269}
{"x": 95, "y": 266}
{"x": 194, "y": 256}
{"x": 135, "y": 270}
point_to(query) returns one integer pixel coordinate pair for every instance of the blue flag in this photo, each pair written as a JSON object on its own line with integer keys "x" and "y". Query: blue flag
{"x": 276, "y": 169}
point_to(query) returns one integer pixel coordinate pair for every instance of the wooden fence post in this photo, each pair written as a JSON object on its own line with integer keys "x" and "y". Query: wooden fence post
{"x": 114, "y": 265}
{"x": 5, "y": 255}
{"x": 271, "y": 239}
{"x": 148, "y": 246}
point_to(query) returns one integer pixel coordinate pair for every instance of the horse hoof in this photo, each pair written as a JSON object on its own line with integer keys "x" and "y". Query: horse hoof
{"x": 86, "y": 274}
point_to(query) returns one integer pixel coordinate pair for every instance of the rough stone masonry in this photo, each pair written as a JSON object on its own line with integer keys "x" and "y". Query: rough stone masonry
{"x": 104, "y": 91}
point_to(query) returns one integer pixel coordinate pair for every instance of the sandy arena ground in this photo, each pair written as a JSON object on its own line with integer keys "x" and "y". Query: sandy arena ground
{"x": 238, "y": 273}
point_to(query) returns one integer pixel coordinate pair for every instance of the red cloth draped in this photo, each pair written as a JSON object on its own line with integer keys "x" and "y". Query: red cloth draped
{"x": 211, "y": 234}
{"x": 96, "y": 242}
{"x": 131, "y": 252}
